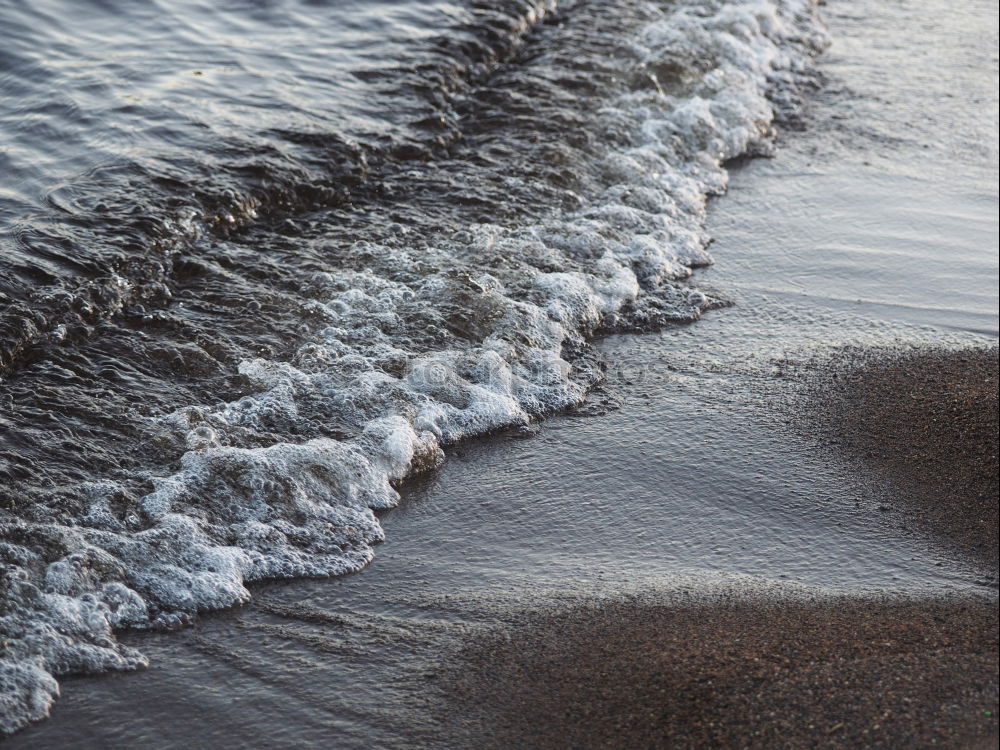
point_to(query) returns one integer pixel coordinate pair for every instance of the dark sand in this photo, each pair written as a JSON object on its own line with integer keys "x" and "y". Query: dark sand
{"x": 841, "y": 673}
{"x": 927, "y": 423}
{"x": 849, "y": 672}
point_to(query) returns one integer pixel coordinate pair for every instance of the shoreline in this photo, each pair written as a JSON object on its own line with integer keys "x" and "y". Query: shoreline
{"x": 578, "y": 511}
{"x": 755, "y": 672}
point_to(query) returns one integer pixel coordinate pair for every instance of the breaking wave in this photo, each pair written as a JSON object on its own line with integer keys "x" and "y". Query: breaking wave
{"x": 220, "y": 368}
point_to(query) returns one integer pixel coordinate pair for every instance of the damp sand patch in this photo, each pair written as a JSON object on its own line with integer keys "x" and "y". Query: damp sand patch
{"x": 845, "y": 672}
{"x": 924, "y": 422}
{"x": 755, "y": 671}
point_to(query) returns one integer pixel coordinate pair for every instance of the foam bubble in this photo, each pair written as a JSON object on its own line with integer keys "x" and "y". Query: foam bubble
{"x": 403, "y": 364}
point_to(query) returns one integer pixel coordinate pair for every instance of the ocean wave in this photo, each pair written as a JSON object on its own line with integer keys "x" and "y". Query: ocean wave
{"x": 419, "y": 338}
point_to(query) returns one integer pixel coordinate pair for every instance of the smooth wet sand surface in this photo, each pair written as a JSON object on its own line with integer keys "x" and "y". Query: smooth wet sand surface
{"x": 759, "y": 672}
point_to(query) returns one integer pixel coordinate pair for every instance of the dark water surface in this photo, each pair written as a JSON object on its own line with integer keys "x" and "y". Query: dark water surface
{"x": 176, "y": 174}
{"x": 261, "y": 260}
{"x": 259, "y": 237}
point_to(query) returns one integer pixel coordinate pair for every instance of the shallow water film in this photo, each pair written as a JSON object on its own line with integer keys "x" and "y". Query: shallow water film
{"x": 261, "y": 260}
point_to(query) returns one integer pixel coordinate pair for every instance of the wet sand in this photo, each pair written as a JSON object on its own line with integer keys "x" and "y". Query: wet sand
{"x": 926, "y": 422}
{"x": 838, "y": 673}
{"x": 744, "y": 672}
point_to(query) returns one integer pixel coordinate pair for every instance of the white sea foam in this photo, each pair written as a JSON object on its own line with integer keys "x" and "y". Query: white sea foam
{"x": 229, "y": 515}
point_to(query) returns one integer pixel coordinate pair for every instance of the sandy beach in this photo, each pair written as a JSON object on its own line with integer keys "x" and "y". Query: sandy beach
{"x": 927, "y": 423}
{"x": 764, "y": 673}
{"x": 773, "y": 527}
{"x": 839, "y": 673}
